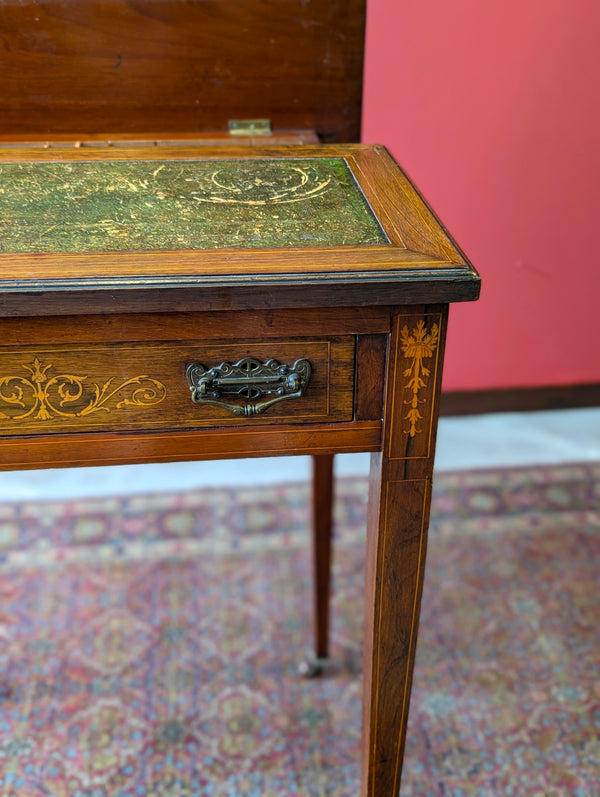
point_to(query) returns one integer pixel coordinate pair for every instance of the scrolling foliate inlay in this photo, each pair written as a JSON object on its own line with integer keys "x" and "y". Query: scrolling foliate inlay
{"x": 418, "y": 345}
{"x": 45, "y": 396}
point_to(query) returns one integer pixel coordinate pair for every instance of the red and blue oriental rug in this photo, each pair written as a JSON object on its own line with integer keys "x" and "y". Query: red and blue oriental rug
{"x": 149, "y": 645}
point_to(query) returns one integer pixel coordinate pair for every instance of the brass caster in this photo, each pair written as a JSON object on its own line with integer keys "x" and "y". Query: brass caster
{"x": 312, "y": 667}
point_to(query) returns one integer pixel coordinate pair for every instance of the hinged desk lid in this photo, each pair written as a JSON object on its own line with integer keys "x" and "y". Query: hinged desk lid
{"x": 341, "y": 218}
{"x": 174, "y": 66}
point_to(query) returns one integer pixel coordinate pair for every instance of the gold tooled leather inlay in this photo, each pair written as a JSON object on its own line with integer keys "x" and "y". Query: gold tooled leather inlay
{"x": 45, "y": 396}
{"x": 87, "y": 206}
{"x": 417, "y": 346}
{"x": 245, "y": 187}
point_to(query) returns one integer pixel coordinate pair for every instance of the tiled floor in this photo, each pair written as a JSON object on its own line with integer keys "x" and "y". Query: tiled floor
{"x": 464, "y": 442}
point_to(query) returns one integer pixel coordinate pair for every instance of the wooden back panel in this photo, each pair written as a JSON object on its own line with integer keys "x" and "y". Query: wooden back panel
{"x": 180, "y": 66}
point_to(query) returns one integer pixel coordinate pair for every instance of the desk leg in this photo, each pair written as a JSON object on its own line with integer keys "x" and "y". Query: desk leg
{"x": 322, "y": 533}
{"x": 399, "y": 499}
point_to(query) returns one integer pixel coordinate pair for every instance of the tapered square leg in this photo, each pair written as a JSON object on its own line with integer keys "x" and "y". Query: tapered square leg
{"x": 322, "y": 539}
{"x": 399, "y": 500}
{"x": 322, "y": 533}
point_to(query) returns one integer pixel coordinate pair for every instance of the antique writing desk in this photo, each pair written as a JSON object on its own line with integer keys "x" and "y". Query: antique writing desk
{"x": 165, "y": 304}
{"x": 164, "y": 300}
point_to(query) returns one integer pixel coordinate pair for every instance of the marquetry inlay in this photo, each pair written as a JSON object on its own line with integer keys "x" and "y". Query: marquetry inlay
{"x": 45, "y": 396}
{"x": 418, "y": 345}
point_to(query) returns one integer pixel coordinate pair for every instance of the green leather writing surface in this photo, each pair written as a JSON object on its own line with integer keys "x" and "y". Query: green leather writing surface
{"x": 96, "y": 206}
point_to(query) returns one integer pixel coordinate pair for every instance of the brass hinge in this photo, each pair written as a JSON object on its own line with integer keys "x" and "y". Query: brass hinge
{"x": 249, "y": 127}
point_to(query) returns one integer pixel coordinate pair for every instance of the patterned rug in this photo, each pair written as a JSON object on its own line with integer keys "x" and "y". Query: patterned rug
{"x": 149, "y": 645}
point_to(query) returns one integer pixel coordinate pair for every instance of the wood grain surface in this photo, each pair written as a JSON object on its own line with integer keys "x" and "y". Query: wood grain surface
{"x": 194, "y": 326}
{"x": 119, "y": 448}
{"x": 116, "y": 66}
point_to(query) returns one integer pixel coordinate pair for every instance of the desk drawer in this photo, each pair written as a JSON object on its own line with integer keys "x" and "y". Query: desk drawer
{"x": 129, "y": 386}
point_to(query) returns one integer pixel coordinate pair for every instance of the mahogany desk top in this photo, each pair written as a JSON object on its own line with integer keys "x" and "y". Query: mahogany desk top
{"x": 145, "y": 223}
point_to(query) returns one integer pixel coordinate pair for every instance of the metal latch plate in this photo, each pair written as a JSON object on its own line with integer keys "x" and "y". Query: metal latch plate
{"x": 249, "y": 127}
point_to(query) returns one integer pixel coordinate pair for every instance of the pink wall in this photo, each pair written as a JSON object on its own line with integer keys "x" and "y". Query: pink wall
{"x": 493, "y": 109}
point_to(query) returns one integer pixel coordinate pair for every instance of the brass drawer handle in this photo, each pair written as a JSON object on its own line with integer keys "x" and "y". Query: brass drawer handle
{"x": 249, "y": 380}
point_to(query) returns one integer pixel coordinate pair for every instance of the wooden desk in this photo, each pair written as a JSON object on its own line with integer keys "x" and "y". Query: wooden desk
{"x": 145, "y": 295}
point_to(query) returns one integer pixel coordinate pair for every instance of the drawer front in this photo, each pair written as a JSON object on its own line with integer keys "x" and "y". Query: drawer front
{"x": 130, "y": 386}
